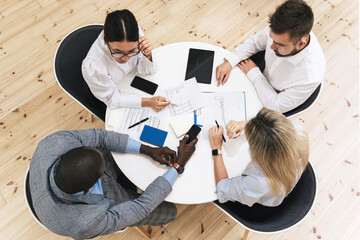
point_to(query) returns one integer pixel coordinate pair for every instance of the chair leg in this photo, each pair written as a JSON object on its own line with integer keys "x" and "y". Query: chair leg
{"x": 245, "y": 234}
{"x": 145, "y": 232}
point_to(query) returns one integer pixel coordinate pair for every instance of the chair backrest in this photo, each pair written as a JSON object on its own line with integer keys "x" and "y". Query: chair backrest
{"x": 67, "y": 67}
{"x": 291, "y": 211}
{"x": 28, "y": 199}
{"x": 310, "y": 101}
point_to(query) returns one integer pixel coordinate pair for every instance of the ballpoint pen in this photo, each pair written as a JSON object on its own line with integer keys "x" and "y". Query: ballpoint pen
{"x": 221, "y": 134}
{"x": 135, "y": 124}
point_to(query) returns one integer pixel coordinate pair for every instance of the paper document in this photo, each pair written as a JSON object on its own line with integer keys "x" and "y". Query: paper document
{"x": 187, "y": 98}
{"x": 134, "y": 115}
{"x": 221, "y": 107}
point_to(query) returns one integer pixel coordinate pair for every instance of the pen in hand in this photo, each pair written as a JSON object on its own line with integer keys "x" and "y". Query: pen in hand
{"x": 135, "y": 124}
{"x": 221, "y": 134}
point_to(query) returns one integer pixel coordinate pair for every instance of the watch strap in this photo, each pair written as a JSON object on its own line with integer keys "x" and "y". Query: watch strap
{"x": 216, "y": 152}
{"x": 178, "y": 168}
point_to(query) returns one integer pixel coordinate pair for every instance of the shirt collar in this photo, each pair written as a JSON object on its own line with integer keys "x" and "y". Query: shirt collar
{"x": 68, "y": 198}
{"x": 295, "y": 59}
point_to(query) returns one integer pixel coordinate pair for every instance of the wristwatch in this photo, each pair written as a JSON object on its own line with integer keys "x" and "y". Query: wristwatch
{"x": 178, "y": 168}
{"x": 216, "y": 152}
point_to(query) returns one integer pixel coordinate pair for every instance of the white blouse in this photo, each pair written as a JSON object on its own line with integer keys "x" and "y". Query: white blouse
{"x": 102, "y": 73}
{"x": 286, "y": 81}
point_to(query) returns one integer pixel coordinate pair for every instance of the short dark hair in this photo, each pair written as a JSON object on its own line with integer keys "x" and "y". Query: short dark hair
{"x": 79, "y": 169}
{"x": 121, "y": 25}
{"x": 293, "y": 16}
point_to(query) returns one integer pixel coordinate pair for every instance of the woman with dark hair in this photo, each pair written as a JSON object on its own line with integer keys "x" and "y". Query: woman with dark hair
{"x": 118, "y": 50}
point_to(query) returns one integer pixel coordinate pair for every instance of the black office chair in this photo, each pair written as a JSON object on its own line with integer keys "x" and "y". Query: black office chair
{"x": 28, "y": 200}
{"x": 67, "y": 67}
{"x": 291, "y": 211}
{"x": 310, "y": 101}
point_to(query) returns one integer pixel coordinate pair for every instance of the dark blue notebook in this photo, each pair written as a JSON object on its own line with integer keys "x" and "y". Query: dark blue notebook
{"x": 153, "y": 135}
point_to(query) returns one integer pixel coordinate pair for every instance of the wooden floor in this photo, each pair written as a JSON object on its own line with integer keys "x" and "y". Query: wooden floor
{"x": 32, "y": 105}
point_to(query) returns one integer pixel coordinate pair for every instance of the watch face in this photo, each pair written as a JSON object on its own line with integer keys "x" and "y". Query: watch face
{"x": 214, "y": 152}
{"x": 180, "y": 169}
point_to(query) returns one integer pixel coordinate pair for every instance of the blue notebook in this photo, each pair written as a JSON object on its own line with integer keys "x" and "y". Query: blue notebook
{"x": 153, "y": 135}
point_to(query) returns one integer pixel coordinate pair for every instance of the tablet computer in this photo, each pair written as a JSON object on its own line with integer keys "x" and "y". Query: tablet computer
{"x": 200, "y": 65}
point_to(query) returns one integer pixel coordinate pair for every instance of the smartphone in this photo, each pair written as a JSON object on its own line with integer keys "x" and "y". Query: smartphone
{"x": 144, "y": 85}
{"x": 193, "y": 132}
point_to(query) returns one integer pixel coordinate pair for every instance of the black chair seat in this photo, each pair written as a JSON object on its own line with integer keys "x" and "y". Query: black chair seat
{"x": 291, "y": 211}
{"x": 68, "y": 59}
{"x": 306, "y": 104}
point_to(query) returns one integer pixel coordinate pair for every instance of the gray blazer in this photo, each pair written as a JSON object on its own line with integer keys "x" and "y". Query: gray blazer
{"x": 90, "y": 215}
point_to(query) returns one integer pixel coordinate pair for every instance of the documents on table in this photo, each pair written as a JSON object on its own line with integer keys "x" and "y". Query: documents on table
{"x": 222, "y": 107}
{"x": 120, "y": 119}
{"x": 187, "y": 98}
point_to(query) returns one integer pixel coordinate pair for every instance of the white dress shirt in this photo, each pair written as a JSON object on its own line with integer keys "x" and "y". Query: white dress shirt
{"x": 286, "y": 81}
{"x": 102, "y": 74}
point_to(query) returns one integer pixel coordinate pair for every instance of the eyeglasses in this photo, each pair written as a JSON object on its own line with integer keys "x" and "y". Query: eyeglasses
{"x": 121, "y": 55}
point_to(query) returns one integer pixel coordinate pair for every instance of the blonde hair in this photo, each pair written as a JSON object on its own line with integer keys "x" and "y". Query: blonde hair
{"x": 277, "y": 149}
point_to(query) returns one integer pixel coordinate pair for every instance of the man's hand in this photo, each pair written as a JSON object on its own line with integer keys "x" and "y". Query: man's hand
{"x": 157, "y": 103}
{"x": 163, "y": 155}
{"x": 223, "y": 72}
{"x": 235, "y": 128}
{"x": 215, "y": 137}
{"x": 185, "y": 150}
{"x": 146, "y": 47}
{"x": 246, "y": 65}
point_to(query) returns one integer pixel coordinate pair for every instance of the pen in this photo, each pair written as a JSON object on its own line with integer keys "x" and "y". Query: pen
{"x": 221, "y": 134}
{"x": 135, "y": 124}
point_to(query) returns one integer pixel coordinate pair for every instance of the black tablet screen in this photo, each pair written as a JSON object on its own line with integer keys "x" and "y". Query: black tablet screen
{"x": 200, "y": 65}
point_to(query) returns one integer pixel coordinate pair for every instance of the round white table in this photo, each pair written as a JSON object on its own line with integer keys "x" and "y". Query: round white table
{"x": 197, "y": 183}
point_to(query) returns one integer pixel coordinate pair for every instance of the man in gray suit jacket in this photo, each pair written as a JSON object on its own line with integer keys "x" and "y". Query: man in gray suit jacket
{"x": 76, "y": 188}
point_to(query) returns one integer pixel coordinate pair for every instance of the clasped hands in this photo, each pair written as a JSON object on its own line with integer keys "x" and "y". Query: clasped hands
{"x": 165, "y": 155}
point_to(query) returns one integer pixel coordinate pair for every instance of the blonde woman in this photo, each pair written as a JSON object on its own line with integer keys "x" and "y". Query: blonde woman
{"x": 279, "y": 153}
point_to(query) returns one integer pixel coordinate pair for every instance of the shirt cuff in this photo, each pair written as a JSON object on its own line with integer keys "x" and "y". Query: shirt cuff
{"x": 253, "y": 73}
{"x": 233, "y": 59}
{"x": 132, "y": 100}
{"x": 223, "y": 190}
{"x": 132, "y": 146}
{"x": 171, "y": 175}
{"x": 154, "y": 63}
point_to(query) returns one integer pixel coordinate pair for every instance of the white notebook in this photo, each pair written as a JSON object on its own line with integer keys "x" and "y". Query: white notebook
{"x": 180, "y": 125}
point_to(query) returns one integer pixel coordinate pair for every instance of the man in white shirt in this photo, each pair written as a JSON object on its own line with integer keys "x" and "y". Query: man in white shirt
{"x": 117, "y": 51}
{"x": 294, "y": 60}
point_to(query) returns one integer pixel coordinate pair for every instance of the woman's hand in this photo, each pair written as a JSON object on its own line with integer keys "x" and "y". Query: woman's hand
{"x": 157, "y": 103}
{"x": 235, "y": 128}
{"x": 215, "y": 137}
{"x": 145, "y": 47}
